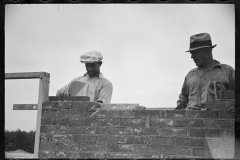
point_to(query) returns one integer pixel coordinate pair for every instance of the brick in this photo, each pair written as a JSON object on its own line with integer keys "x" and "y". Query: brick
{"x": 48, "y": 146}
{"x": 164, "y": 141}
{"x": 46, "y": 121}
{"x": 46, "y": 138}
{"x": 148, "y": 149}
{"x": 202, "y": 114}
{"x": 174, "y": 114}
{"x": 230, "y": 134}
{"x": 133, "y": 122}
{"x": 46, "y": 154}
{"x": 65, "y": 113}
{"x": 60, "y": 121}
{"x": 219, "y": 124}
{"x": 159, "y": 122}
{"x": 133, "y": 139}
{"x": 62, "y": 154}
{"x": 146, "y": 131}
{"x": 89, "y": 130}
{"x": 142, "y": 113}
{"x": 121, "y": 148}
{"x": 62, "y": 105}
{"x": 47, "y": 105}
{"x": 62, "y": 138}
{"x": 227, "y": 115}
{"x": 84, "y": 105}
{"x": 114, "y": 131}
{"x": 108, "y": 122}
{"x": 84, "y": 139}
{"x": 157, "y": 113}
{"x": 88, "y": 113}
{"x": 220, "y": 105}
{"x": 109, "y": 139}
{"x": 120, "y": 113}
{"x": 201, "y": 152}
{"x": 172, "y": 132}
{"x": 101, "y": 130}
{"x": 93, "y": 148}
{"x": 50, "y": 113}
{"x": 48, "y": 129}
{"x": 229, "y": 94}
{"x": 189, "y": 123}
{"x": 101, "y": 114}
{"x": 78, "y": 121}
{"x": 206, "y": 133}
{"x": 148, "y": 156}
{"x": 68, "y": 147}
{"x": 90, "y": 155}
{"x": 112, "y": 155}
{"x": 177, "y": 151}
{"x": 69, "y": 130}
{"x": 196, "y": 142}
{"x": 185, "y": 142}
{"x": 157, "y": 140}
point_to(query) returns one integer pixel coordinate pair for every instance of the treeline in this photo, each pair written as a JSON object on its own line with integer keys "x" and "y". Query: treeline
{"x": 19, "y": 140}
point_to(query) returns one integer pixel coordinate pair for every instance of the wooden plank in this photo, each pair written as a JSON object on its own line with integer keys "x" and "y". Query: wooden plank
{"x": 119, "y": 106}
{"x": 25, "y": 106}
{"x": 42, "y": 97}
{"x": 26, "y": 75}
{"x": 69, "y": 98}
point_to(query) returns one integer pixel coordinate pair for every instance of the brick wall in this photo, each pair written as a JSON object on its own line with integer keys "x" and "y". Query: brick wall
{"x": 69, "y": 131}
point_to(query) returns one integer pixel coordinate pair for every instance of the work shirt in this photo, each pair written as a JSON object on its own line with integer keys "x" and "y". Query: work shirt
{"x": 98, "y": 88}
{"x": 198, "y": 86}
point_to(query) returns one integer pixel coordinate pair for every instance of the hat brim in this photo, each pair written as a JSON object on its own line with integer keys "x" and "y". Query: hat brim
{"x": 89, "y": 61}
{"x": 201, "y": 48}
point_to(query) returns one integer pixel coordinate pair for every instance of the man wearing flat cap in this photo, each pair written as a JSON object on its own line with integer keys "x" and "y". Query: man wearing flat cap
{"x": 92, "y": 83}
{"x": 198, "y": 86}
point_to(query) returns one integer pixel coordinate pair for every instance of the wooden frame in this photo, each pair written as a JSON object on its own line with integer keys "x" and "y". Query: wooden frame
{"x": 44, "y": 80}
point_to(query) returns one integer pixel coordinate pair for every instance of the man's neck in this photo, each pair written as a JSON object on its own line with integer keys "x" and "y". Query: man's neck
{"x": 209, "y": 64}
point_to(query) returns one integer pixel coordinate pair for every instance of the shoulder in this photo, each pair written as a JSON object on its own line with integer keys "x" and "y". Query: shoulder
{"x": 191, "y": 71}
{"x": 226, "y": 66}
{"x": 105, "y": 80}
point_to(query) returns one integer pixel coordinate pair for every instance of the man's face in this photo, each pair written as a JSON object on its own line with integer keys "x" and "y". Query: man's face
{"x": 200, "y": 57}
{"x": 93, "y": 68}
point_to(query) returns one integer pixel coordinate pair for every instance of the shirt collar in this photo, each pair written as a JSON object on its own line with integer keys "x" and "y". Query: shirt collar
{"x": 98, "y": 75}
{"x": 217, "y": 64}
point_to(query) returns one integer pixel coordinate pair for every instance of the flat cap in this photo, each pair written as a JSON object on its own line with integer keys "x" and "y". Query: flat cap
{"x": 91, "y": 57}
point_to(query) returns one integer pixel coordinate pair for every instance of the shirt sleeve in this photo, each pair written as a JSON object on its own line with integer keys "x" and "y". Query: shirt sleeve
{"x": 232, "y": 79}
{"x": 105, "y": 93}
{"x": 183, "y": 96}
{"x": 64, "y": 90}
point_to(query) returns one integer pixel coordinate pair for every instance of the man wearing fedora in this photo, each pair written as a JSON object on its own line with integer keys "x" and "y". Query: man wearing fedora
{"x": 92, "y": 83}
{"x": 198, "y": 86}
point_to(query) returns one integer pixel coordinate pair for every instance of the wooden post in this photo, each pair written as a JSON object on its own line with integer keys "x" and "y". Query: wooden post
{"x": 42, "y": 97}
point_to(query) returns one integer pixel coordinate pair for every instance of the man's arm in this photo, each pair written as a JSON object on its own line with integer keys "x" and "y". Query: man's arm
{"x": 105, "y": 93}
{"x": 183, "y": 97}
{"x": 64, "y": 91}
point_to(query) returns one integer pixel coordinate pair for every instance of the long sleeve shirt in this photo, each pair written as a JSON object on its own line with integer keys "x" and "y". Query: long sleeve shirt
{"x": 98, "y": 88}
{"x": 198, "y": 86}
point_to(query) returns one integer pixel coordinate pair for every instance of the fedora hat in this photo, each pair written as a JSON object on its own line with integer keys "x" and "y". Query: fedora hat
{"x": 201, "y": 40}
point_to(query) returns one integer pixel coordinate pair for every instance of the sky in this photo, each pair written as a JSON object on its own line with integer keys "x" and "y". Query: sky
{"x": 143, "y": 48}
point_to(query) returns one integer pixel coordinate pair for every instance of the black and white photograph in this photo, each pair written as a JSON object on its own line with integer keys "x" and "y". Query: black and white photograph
{"x": 156, "y": 78}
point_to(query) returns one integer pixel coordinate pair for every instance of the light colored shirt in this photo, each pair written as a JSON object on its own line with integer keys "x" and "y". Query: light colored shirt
{"x": 198, "y": 86}
{"x": 98, "y": 88}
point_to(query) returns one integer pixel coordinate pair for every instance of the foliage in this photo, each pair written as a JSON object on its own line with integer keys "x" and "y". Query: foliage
{"x": 19, "y": 140}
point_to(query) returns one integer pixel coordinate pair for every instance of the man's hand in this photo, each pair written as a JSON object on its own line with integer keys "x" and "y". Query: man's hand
{"x": 182, "y": 105}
